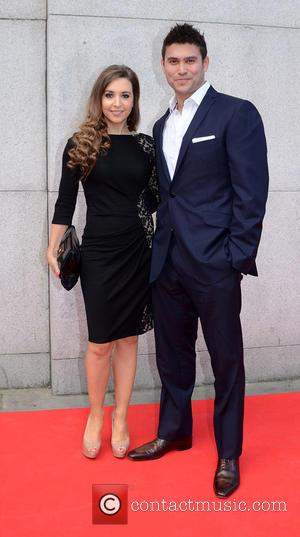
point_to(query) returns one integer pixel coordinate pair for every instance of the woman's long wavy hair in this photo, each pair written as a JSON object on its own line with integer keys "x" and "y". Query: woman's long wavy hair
{"x": 92, "y": 137}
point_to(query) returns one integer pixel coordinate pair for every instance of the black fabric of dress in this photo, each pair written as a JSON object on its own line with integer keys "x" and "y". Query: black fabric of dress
{"x": 121, "y": 192}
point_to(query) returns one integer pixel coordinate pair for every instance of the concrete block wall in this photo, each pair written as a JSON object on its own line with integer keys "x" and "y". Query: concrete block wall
{"x": 253, "y": 49}
{"x": 24, "y": 306}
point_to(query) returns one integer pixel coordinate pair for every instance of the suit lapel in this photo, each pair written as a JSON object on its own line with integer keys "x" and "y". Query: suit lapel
{"x": 203, "y": 108}
{"x": 160, "y": 145}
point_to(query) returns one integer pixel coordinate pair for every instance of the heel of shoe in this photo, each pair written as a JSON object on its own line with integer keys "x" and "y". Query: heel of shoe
{"x": 184, "y": 444}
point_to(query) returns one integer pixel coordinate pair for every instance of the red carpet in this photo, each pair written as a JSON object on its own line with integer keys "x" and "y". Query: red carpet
{"x": 46, "y": 484}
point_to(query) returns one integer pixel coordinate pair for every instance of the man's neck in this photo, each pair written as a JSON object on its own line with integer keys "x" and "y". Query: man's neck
{"x": 181, "y": 98}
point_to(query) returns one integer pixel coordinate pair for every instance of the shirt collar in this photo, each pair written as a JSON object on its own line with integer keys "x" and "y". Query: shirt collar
{"x": 196, "y": 97}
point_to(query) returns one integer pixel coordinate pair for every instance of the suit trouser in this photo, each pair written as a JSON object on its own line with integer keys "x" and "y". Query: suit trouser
{"x": 176, "y": 308}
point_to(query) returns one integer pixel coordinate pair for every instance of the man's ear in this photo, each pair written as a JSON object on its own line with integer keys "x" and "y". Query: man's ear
{"x": 205, "y": 63}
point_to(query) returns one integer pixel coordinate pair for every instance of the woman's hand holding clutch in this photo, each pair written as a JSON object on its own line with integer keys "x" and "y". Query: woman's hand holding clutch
{"x": 56, "y": 233}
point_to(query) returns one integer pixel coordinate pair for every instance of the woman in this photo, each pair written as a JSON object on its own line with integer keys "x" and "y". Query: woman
{"x": 117, "y": 170}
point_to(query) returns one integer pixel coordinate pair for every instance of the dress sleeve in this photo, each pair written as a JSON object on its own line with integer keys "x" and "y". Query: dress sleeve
{"x": 68, "y": 190}
{"x": 153, "y": 197}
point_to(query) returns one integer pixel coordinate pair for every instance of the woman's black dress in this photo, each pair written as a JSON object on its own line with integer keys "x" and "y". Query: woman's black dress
{"x": 121, "y": 193}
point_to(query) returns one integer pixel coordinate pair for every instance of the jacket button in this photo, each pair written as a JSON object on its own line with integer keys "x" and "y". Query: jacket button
{"x": 172, "y": 229}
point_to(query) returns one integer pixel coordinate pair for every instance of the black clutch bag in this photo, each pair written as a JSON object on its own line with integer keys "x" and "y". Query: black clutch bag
{"x": 68, "y": 258}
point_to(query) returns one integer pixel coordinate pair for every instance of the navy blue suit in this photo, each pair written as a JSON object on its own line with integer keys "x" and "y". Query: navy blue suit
{"x": 209, "y": 224}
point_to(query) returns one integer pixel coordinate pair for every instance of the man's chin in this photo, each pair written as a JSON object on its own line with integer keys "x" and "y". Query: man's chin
{"x": 184, "y": 91}
{"x": 185, "y": 86}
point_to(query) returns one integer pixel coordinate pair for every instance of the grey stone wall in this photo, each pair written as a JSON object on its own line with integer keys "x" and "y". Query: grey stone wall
{"x": 24, "y": 306}
{"x": 51, "y": 54}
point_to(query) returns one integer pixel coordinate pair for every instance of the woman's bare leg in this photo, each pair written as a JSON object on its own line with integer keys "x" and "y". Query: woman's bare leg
{"x": 124, "y": 369}
{"x": 97, "y": 366}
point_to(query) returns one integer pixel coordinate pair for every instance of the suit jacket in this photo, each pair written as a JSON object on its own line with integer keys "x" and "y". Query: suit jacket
{"x": 215, "y": 203}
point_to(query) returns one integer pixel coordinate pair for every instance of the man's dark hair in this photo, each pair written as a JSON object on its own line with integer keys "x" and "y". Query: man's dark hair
{"x": 185, "y": 33}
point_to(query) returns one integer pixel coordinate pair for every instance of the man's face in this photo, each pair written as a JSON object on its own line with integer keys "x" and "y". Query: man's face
{"x": 184, "y": 68}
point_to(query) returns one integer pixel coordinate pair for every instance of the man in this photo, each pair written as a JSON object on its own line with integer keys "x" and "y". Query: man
{"x": 213, "y": 174}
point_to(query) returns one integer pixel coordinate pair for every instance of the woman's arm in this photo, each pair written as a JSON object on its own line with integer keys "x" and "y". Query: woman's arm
{"x": 153, "y": 198}
{"x": 64, "y": 209}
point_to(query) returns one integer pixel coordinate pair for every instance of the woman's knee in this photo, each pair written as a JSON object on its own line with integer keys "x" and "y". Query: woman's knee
{"x": 100, "y": 350}
{"x": 130, "y": 341}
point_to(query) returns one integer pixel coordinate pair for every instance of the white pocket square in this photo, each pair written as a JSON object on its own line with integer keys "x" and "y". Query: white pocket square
{"x": 203, "y": 139}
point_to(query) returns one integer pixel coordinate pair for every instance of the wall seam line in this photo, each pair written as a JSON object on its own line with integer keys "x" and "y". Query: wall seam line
{"x": 247, "y": 24}
{"x": 47, "y": 191}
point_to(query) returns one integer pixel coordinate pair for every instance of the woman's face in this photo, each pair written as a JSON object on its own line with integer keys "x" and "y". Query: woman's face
{"x": 117, "y": 101}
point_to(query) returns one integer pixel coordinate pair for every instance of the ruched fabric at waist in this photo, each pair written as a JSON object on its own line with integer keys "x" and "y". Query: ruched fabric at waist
{"x": 111, "y": 227}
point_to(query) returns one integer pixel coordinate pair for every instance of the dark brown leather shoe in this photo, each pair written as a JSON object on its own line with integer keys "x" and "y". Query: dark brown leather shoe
{"x": 227, "y": 477}
{"x": 158, "y": 447}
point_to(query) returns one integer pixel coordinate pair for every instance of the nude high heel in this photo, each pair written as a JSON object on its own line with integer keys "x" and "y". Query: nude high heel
{"x": 119, "y": 447}
{"x": 90, "y": 449}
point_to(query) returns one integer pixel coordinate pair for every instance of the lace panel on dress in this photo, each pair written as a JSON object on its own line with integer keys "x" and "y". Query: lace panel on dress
{"x": 144, "y": 212}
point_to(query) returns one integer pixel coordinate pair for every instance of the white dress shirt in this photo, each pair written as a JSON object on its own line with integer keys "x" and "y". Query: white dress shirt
{"x": 177, "y": 124}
